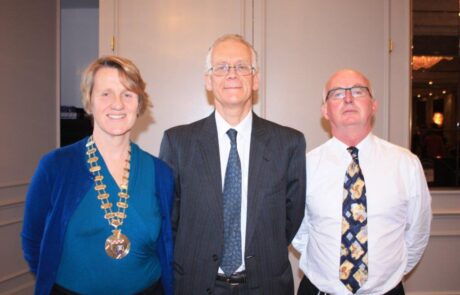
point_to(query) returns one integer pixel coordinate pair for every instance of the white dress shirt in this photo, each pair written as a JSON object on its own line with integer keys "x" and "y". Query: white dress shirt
{"x": 398, "y": 210}
{"x": 243, "y": 141}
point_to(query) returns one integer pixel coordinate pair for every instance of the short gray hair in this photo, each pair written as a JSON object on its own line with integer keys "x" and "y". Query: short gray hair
{"x": 234, "y": 37}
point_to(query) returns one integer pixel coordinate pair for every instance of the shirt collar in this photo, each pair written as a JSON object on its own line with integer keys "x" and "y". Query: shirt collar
{"x": 243, "y": 128}
{"x": 365, "y": 144}
{"x": 363, "y": 147}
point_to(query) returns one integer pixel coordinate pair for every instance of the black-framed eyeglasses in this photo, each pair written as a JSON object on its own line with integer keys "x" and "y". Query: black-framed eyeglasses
{"x": 340, "y": 93}
{"x": 223, "y": 69}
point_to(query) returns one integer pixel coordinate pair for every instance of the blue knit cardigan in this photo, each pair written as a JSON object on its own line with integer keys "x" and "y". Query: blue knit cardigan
{"x": 59, "y": 184}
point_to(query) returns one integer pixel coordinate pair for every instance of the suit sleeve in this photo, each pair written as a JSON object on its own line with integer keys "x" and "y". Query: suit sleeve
{"x": 35, "y": 214}
{"x": 168, "y": 154}
{"x": 296, "y": 187}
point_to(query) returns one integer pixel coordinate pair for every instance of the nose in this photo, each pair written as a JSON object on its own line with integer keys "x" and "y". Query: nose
{"x": 117, "y": 103}
{"x": 231, "y": 72}
{"x": 348, "y": 97}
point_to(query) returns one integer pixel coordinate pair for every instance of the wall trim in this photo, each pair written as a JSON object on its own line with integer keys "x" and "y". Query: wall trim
{"x": 445, "y": 234}
{"x": 384, "y": 104}
{"x": 12, "y": 193}
{"x": 20, "y": 288}
{"x": 444, "y": 192}
{"x": 12, "y": 202}
{"x": 11, "y": 276}
{"x": 448, "y": 212}
{"x": 11, "y": 222}
{"x": 14, "y": 183}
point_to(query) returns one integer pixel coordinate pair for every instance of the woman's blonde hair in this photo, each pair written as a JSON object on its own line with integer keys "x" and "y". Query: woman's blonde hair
{"x": 129, "y": 75}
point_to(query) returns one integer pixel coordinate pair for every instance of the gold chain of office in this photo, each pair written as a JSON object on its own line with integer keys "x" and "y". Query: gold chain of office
{"x": 117, "y": 245}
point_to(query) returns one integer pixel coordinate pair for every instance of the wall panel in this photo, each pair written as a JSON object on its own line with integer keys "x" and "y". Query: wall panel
{"x": 439, "y": 270}
{"x": 168, "y": 40}
{"x": 28, "y": 120}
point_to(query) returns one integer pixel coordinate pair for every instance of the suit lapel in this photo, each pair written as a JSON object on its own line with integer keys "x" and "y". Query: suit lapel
{"x": 209, "y": 148}
{"x": 258, "y": 156}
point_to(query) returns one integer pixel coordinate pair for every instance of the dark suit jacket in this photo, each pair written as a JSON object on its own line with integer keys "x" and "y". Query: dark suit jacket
{"x": 276, "y": 204}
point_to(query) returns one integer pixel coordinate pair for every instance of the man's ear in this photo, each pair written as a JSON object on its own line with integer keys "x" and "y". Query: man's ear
{"x": 208, "y": 82}
{"x": 324, "y": 111}
{"x": 375, "y": 106}
{"x": 255, "y": 82}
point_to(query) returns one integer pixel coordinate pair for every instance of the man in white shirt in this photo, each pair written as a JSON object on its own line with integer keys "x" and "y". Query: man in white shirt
{"x": 388, "y": 201}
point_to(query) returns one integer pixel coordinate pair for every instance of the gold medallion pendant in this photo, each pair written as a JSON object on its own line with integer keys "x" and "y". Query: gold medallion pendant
{"x": 117, "y": 245}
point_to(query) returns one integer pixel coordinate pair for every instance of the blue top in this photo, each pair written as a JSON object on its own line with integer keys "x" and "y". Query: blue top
{"x": 58, "y": 187}
{"x": 83, "y": 254}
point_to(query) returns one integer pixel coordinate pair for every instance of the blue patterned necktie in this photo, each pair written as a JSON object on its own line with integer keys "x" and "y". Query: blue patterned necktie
{"x": 231, "y": 259}
{"x": 353, "y": 258}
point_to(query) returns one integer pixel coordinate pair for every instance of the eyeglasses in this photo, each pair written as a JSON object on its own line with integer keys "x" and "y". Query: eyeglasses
{"x": 355, "y": 91}
{"x": 223, "y": 69}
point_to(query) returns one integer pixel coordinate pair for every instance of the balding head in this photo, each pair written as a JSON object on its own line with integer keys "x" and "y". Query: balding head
{"x": 349, "y": 106}
{"x": 334, "y": 79}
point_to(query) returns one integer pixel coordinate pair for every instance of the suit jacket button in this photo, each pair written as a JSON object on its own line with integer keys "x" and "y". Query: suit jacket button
{"x": 208, "y": 290}
{"x": 215, "y": 257}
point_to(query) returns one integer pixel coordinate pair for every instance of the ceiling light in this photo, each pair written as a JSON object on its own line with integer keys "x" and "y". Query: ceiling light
{"x": 426, "y": 62}
{"x": 438, "y": 119}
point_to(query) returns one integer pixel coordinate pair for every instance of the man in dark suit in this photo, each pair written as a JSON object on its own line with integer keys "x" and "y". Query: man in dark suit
{"x": 240, "y": 186}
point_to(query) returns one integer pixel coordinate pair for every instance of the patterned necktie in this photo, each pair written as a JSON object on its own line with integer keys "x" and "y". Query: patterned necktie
{"x": 353, "y": 258}
{"x": 231, "y": 259}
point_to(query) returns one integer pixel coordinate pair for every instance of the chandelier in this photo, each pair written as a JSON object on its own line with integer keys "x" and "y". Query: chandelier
{"x": 426, "y": 61}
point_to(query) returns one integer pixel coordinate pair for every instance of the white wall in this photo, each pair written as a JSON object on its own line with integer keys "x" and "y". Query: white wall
{"x": 168, "y": 41}
{"x": 309, "y": 40}
{"x": 300, "y": 45}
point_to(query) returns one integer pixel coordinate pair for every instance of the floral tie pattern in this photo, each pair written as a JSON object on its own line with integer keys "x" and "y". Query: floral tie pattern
{"x": 353, "y": 252}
